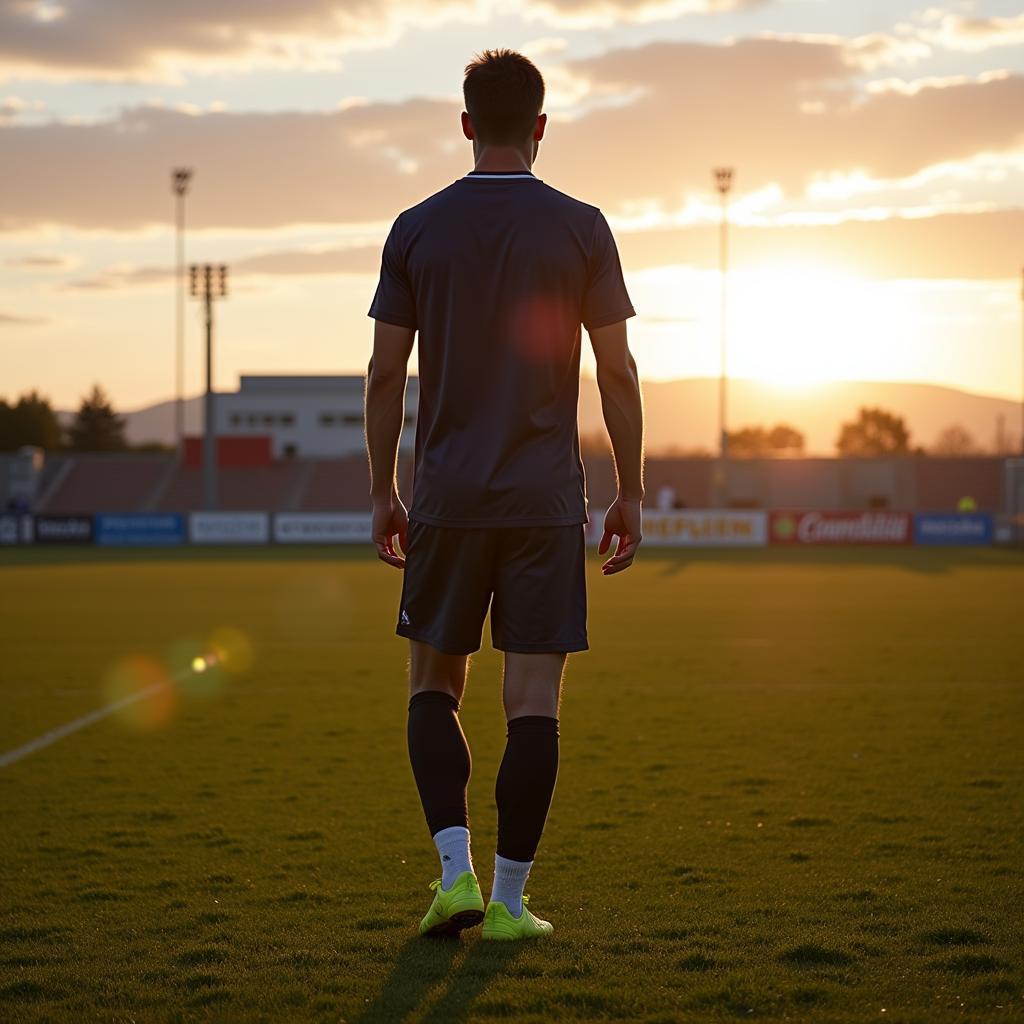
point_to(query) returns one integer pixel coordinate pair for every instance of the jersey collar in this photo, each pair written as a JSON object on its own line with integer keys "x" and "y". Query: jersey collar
{"x": 505, "y": 175}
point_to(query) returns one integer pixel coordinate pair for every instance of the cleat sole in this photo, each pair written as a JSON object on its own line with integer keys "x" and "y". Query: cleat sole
{"x": 456, "y": 923}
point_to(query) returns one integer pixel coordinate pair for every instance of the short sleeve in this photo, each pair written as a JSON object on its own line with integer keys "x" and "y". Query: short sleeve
{"x": 393, "y": 302}
{"x": 605, "y": 299}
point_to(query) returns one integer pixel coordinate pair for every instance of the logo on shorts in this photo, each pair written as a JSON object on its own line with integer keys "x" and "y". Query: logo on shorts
{"x": 404, "y": 618}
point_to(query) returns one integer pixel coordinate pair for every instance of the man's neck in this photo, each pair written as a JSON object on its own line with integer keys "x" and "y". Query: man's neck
{"x": 503, "y": 158}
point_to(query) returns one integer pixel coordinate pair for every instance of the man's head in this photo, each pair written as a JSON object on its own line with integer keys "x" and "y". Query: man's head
{"x": 504, "y": 94}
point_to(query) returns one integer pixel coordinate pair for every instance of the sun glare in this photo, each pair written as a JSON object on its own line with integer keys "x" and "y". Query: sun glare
{"x": 792, "y": 325}
{"x": 796, "y": 327}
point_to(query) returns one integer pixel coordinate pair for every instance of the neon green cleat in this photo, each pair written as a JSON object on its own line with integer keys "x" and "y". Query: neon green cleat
{"x": 461, "y": 906}
{"x": 500, "y": 924}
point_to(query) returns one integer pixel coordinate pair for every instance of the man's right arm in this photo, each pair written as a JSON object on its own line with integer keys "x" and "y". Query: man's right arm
{"x": 622, "y": 405}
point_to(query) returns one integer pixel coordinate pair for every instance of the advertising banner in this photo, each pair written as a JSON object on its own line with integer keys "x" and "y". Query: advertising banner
{"x": 868, "y": 526}
{"x": 62, "y": 529}
{"x": 229, "y": 527}
{"x": 322, "y": 528}
{"x": 140, "y": 529}
{"x": 975, "y": 528}
{"x": 703, "y": 528}
{"x": 10, "y": 532}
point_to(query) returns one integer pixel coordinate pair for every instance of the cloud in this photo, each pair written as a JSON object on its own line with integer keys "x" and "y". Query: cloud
{"x": 132, "y": 39}
{"x": 781, "y": 111}
{"x": 980, "y": 246}
{"x": 582, "y": 13}
{"x": 360, "y": 259}
{"x": 14, "y": 106}
{"x": 16, "y": 320}
{"x": 253, "y": 171}
{"x": 958, "y": 32}
{"x": 786, "y": 113}
{"x": 42, "y": 261}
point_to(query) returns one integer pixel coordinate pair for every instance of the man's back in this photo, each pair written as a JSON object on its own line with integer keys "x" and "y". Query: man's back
{"x": 497, "y": 272}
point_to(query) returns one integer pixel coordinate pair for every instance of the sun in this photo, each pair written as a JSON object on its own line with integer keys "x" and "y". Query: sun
{"x": 793, "y": 325}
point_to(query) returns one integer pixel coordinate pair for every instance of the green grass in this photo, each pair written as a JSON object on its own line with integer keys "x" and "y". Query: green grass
{"x": 790, "y": 789}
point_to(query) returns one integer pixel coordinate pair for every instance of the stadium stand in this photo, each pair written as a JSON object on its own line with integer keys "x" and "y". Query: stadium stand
{"x": 157, "y": 482}
{"x": 239, "y": 488}
{"x": 102, "y": 483}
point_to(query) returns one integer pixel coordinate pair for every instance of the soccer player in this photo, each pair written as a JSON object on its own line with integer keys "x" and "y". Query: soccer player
{"x": 497, "y": 273}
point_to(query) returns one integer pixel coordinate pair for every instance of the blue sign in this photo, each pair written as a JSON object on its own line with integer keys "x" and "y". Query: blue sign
{"x": 955, "y": 528}
{"x": 141, "y": 529}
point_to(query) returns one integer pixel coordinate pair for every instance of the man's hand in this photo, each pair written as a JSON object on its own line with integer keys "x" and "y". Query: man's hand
{"x": 623, "y": 520}
{"x": 390, "y": 520}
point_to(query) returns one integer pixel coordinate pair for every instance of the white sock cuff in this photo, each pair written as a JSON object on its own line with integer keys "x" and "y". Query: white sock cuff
{"x": 513, "y": 870}
{"x": 452, "y": 834}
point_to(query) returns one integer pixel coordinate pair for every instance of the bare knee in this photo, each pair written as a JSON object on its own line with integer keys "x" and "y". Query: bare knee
{"x": 431, "y": 669}
{"x": 532, "y": 684}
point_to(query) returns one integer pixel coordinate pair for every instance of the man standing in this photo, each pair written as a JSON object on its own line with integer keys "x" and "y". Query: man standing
{"x": 497, "y": 272}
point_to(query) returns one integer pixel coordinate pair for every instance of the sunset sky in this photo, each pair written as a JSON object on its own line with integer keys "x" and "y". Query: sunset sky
{"x": 879, "y": 153}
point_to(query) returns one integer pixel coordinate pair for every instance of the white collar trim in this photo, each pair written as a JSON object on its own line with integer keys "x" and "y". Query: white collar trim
{"x": 497, "y": 175}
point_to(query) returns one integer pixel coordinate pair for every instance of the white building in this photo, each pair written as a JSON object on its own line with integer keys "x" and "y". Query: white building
{"x": 319, "y": 416}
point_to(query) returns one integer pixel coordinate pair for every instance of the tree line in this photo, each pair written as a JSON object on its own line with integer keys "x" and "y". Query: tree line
{"x": 96, "y": 427}
{"x": 873, "y": 432}
{"x": 32, "y": 420}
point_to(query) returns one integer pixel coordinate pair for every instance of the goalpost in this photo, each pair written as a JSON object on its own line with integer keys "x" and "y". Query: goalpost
{"x": 1013, "y": 499}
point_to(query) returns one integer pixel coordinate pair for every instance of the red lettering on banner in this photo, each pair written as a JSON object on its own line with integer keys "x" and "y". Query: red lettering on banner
{"x": 839, "y": 527}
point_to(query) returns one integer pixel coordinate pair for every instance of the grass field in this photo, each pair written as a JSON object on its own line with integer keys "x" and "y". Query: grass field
{"x": 790, "y": 788}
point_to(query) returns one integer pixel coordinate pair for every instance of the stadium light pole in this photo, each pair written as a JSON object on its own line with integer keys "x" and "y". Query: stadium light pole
{"x": 204, "y": 286}
{"x": 180, "y": 179}
{"x": 723, "y": 182}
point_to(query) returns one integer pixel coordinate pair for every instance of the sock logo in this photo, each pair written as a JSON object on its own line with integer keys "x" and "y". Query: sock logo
{"x": 404, "y": 618}
{"x": 446, "y": 857}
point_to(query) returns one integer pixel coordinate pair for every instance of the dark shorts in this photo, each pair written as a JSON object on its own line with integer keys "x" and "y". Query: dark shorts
{"x": 533, "y": 578}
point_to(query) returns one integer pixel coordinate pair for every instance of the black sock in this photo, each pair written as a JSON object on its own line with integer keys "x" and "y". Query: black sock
{"x": 440, "y": 758}
{"x": 526, "y": 782}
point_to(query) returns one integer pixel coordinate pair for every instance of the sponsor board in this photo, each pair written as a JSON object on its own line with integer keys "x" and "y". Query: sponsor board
{"x": 62, "y": 529}
{"x": 140, "y": 529}
{"x": 322, "y": 528}
{"x": 953, "y": 528}
{"x": 9, "y": 530}
{"x": 704, "y": 528}
{"x": 229, "y": 527}
{"x": 834, "y": 526}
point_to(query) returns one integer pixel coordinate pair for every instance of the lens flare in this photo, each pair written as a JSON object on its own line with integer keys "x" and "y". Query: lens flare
{"x": 143, "y": 691}
{"x": 231, "y": 649}
{"x": 199, "y": 664}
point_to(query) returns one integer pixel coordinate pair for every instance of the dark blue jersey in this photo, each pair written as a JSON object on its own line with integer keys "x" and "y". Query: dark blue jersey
{"x": 497, "y": 272}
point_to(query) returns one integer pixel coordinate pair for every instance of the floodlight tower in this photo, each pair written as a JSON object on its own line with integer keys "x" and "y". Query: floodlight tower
{"x": 180, "y": 179}
{"x": 723, "y": 182}
{"x": 209, "y": 283}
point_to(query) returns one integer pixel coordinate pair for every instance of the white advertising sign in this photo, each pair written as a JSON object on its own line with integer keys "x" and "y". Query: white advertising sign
{"x": 322, "y": 528}
{"x": 229, "y": 527}
{"x": 705, "y": 528}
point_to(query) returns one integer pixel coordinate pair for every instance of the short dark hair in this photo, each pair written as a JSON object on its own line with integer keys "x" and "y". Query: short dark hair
{"x": 504, "y": 93}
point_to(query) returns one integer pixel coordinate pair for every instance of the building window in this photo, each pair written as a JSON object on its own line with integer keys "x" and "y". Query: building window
{"x": 287, "y": 419}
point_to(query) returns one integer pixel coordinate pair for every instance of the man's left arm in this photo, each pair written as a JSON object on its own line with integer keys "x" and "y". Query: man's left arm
{"x": 386, "y": 378}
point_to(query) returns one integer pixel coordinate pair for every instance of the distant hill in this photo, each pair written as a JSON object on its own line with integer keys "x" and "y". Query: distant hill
{"x": 684, "y": 413}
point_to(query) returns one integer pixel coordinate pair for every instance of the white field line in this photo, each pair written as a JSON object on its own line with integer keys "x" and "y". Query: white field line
{"x": 19, "y": 753}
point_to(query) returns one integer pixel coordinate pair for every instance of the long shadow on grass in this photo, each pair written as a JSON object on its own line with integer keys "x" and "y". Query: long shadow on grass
{"x": 425, "y": 963}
